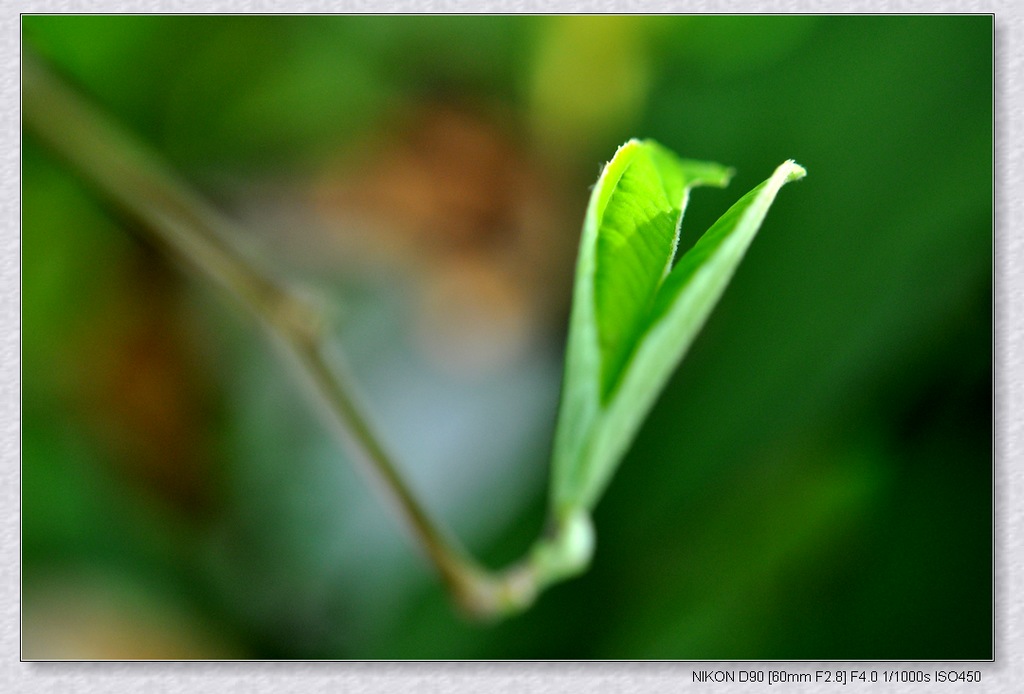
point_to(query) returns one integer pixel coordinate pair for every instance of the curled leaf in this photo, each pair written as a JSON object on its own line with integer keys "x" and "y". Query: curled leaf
{"x": 634, "y": 315}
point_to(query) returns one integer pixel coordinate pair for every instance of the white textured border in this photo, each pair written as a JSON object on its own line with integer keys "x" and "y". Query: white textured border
{"x": 1006, "y": 675}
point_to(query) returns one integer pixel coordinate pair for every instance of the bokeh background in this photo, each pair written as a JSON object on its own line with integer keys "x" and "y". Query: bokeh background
{"x": 815, "y": 482}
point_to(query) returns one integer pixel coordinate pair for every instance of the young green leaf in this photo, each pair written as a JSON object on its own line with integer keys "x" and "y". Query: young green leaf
{"x": 634, "y": 315}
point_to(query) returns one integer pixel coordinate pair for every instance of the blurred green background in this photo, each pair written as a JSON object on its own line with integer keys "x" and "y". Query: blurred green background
{"x": 815, "y": 482}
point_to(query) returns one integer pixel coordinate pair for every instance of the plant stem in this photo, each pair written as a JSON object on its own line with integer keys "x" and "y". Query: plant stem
{"x": 178, "y": 220}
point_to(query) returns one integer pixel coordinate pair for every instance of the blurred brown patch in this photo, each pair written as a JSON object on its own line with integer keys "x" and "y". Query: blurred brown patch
{"x": 83, "y": 616}
{"x": 450, "y": 197}
{"x": 137, "y": 390}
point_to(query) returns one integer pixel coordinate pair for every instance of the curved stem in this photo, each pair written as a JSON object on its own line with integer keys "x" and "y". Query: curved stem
{"x": 175, "y": 218}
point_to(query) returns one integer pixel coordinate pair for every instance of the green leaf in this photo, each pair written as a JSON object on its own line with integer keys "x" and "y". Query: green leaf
{"x": 638, "y": 229}
{"x": 634, "y": 315}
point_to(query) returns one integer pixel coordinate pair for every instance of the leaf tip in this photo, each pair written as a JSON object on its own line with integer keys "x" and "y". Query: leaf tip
{"x": 794, "y": 172}
{"x": 725, "y": 177}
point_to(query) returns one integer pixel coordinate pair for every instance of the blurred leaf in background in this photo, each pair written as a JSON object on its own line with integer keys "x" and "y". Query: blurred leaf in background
{"x": 815, "y": 482}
